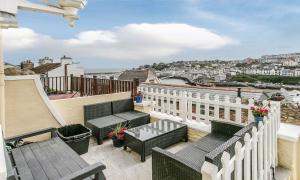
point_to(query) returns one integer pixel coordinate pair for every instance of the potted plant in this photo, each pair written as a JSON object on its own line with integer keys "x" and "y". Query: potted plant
{"x": 139, "y": 97}
{"x": 117, "y": 135}
{"x": 259, "y": 113}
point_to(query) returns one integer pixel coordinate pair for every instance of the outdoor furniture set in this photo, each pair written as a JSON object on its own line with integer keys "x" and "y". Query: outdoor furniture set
{"x": 54, "y": 159}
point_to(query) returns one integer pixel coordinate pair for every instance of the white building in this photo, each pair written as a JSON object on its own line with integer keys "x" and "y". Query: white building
{"x": 66, "y": 66}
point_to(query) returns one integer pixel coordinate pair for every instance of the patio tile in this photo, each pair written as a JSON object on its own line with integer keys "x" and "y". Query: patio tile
{"x": 121, "y": 164}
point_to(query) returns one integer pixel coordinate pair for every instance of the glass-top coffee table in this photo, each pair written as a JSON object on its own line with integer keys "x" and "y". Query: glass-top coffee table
{"x": 162, "y": 133}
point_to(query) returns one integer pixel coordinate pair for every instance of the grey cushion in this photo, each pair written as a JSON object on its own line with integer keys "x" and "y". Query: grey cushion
{"x": 106, "y": 121}
{"x": 122, "y": 106}
{"x": 130, "y": 115}
{"x": 210, "y": 142}
{"x": 97, "y": 110}
{"x": 192, "y": 155}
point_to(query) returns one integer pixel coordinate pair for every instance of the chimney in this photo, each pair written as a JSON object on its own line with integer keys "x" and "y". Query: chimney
{"x": 27, "y": 64}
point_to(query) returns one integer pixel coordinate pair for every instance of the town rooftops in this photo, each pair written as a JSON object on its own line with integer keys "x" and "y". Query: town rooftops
{"x": 143, "y": 75}
{"x": 44, "y": 68}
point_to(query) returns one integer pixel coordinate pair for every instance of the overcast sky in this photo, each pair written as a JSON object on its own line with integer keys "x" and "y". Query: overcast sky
{"x": 127, "y": 33}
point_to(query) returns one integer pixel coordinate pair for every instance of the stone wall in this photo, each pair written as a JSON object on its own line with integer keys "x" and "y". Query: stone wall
{"x": 290, "y": 114}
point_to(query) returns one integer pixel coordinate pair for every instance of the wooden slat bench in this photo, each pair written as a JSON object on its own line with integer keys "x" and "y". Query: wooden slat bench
{"x": 51, "y": 159}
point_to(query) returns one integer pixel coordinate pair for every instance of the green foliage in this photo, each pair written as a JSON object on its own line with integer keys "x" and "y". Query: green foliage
{"x": 267, "y": 79}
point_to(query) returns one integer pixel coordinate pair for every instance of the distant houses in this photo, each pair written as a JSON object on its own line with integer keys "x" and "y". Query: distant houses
{"x": 65, "y": 67}
{"x": 46, "y": 67}
{"x": 144, "y": 75}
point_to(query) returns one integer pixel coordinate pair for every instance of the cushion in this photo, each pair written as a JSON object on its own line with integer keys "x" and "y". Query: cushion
{"x": 106, "y": 121}
{"x": 130, "y": 115}
{"x": 122, "y": 106}
{"x": 210, "y": 142}
{"x": 193, "y": 155}
{"x": 97, "y": 110}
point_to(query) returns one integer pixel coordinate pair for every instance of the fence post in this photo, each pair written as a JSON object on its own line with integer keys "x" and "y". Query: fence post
{"x": 247, "y": 160}
{"x": 206, "y": 108}
{"x": 162, "y": 101}
{"x": 71, "y": 83}
{"x": 238, "y": 111}
{"x": 190, "y": 106}
{"x": 227, "y": 108}
{"x": 168, "y": 102}
{"x": 254, "y": 153}
{"x": 238, "y": 161}
{"x": 111, "y": 85}
{"x": 95, "y": 85}
{"x": 225, "y": 165}
{"x": 260, "y": 150}
{"x": 209, "y": 171}
{"x": 136, "y": 83}
{"x": 81, "y": 85}
{"x": 250, "y": 115}
{"x": 174, "y": 103}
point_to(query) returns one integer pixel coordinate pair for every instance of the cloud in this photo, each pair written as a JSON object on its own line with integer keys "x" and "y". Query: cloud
{"x": 132, "y": 41}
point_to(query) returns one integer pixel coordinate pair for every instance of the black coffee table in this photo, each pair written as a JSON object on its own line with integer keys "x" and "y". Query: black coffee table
{"x": 162, "y": 133}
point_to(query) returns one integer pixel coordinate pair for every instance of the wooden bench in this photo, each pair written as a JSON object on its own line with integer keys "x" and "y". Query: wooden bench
{"x": 50, "y": 159}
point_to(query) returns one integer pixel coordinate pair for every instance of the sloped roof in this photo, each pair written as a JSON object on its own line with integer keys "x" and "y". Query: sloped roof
{"x": 129, "y": 75}
{"x": 44, "y": 68}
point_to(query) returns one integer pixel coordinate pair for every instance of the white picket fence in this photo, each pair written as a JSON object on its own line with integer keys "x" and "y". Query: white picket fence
{"x": 259, "y": 154}
{"x": 199, "y": 107}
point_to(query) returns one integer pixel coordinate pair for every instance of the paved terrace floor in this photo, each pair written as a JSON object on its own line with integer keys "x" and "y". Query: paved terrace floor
{"x": 121, "y": 164}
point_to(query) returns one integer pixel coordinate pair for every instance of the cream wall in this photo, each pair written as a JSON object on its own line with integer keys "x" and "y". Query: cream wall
{"x": 289, "y": 156}
{"x": 71, "y": 109}
{"x": 25, "y": 109}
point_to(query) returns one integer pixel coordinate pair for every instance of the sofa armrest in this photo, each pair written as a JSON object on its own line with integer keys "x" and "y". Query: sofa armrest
{"x": 167, "y": 165}
{"x": 31, "y": 134}
{"x": 214, "y": 156}
{"x": 225, "y": 127}
{"x": 95, "y": 169}
{"x": 247, "y": 129}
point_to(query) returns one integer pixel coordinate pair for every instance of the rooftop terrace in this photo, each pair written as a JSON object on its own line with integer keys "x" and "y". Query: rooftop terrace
{"x": 29, "y": 108}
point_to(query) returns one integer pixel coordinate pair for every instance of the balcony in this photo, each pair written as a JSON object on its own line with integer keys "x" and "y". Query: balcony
{"x": 29, "y": 108}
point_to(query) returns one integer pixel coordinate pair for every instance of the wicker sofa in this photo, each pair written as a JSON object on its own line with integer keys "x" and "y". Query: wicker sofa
{"x": 187, "y": 163}
{"x": 101, "y": 118}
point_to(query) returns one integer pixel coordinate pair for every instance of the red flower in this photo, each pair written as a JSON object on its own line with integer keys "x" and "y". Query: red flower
{"x": 120, "y": 136}
{"x": 111, "y": 134}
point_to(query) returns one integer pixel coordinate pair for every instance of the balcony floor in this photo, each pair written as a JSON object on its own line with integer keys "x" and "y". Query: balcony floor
{"x": 121, "y": 164}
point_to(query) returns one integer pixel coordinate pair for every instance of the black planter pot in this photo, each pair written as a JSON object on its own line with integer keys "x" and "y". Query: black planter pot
{"x": 117, "y": 142}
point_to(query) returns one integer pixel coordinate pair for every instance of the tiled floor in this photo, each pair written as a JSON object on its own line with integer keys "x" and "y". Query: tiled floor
{"x": 121, "y": 164}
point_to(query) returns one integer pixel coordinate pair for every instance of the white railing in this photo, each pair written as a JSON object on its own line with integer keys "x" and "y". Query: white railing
{"x": 197, "y": 106}
{"x": 259, "y": 154}
{"x": 3, "y": 172}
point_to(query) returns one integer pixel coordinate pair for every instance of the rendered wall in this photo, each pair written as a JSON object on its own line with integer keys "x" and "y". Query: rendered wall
{"x": 25, "y": 109}
{"x": 71, "y": 109}
{"x": 289, "y": 156}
